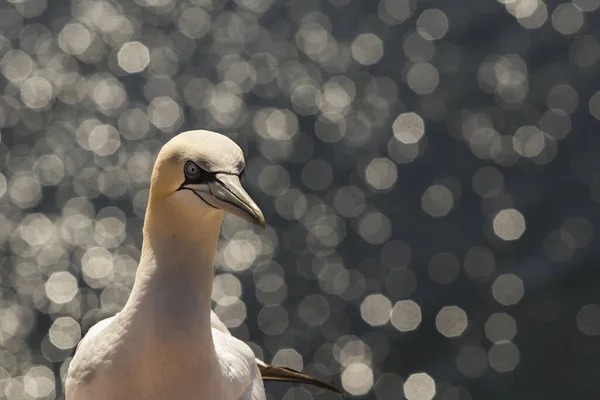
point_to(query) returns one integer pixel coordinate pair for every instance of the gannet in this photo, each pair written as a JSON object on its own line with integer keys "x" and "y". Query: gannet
{"x": 166, "y": 343}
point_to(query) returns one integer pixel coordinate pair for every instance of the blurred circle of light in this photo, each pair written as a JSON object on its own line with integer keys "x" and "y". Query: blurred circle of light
{"x": 585, "y": 51}
{"x": 48, "y": 169}
{"x": 419, "y": 386}
{"x": 10, "y": 325}
{"x": 12, "y": 22}
{"x": 418, "y": 49}
{"x": 107, "y": 92}
{"x": 317, "y": 174}
{"x": 381, "y": 173}
{"x": 194, "y": 22}
{"x": 406, "y": 315}
{"x": 165, "y": 114}
{"x": 423, "y": 78}
{"x": 508, "y": 289}
{"x": 507, "y": 77}
{"x": 500, "y": 327}
{"x": 528, "y": 141}
{"x": 509, "y": 224}
{"x": 113, "y": 182}
{"x": 270, "y": 288}
{"x": 594, "y": 105}
{"x": 578, "y": 231}
{"x": 588, "y": 319}
{"x": 451, "y": 321}
{"x": 563, "y": 97}
{"x": 388, "y": 386}
{"x": 39, "y": 383}
{"x": 97, "y": 267}
{"x": 432, "y": 24}
{"x": 231, "y": 311}
{"x": 332, "y": 275}
{"x": 37, "y": 230}
{"x": 556, "y": 123}
{"x": 504, "y": 356}
{"x": 297, "y": 393}
{"x": 337, "y": 96}
{"x": 357, "y": 378}
{"x": 488, "y": 182}
{"x": 30, "y": 8}
{"x": 437, "y": 201}
{"x": 313, "y": 39}
{"x": 226, "y": 285}
{"x": 74, "y": 39}
{"x": 24, "y": 190}
{"x": 37, "y": 92}
{"x": 521, "y": 9}
{"x": 375, "y": 228}
{"x": 104, "y": 140}
{"x": 273, "y": 319}
{"x": 3, "y": 185}
{"x": 16, "y": 65}
{"x": 274, "y": 180}
{"x": 356, "y": 128}
{"x": 240, "y": 252}
{"x": 65, "y": 333}
{"x": 349, "y": 201}
{"x": 394, "y": 12}
{"x": 289, "y": 358}
{"x": 133, "y": 57}
{"x": 472, "y": 361}
{"x": 164, "y": 61}
{"x": 537, "y": 18}
{"x": 567, "y": 18}
{"x": 443, "y": 268}
{"x": 367, "y": 49}
{"x": 134, "y": 124}
{"x": 314, "y": 310}
{"x": 587, "y": 5}
{"x": 349, "y": 349}
{"x": 376, "y": 309}
{"x": 110, "y": 227}
{"x": 305, "y": 99}
{"x": 291, "y": 204}
{"x": 408, "y": 128}
{"x": 61, "y": 287}
{"x": 479, "y": 263}
{"x": 275, "y": 124}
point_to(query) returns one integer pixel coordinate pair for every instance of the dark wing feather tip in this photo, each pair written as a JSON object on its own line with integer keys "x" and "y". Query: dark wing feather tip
{"x": 284, "y": 374}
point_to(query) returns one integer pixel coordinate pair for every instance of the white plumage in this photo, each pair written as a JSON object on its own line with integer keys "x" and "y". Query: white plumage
{"x": 166, "y": 343}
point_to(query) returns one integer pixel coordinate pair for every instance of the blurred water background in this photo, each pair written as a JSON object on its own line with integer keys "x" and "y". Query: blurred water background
{"x": 429, "y": 171}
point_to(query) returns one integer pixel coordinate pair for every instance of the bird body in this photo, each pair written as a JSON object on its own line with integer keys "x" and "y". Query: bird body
{"x": 166, "y": 343}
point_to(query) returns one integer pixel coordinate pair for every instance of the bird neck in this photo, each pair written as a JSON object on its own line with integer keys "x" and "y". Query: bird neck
{"x": 173, "y": 283}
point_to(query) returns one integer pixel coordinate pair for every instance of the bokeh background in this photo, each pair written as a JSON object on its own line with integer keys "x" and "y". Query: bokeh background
{"x": 429, "y": 170}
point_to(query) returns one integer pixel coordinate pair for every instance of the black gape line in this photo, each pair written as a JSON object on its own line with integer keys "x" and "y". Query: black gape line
{"x": 200, "y": 197}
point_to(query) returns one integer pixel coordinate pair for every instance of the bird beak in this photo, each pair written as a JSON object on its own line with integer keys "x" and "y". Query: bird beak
{"x": 227, "y": 194}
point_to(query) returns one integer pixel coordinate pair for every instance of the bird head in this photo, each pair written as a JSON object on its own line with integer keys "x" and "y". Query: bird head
{"x": 200, "y": 172}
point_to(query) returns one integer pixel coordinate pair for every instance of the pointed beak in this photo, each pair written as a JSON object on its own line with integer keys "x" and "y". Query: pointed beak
{"x": 229, "y": 195}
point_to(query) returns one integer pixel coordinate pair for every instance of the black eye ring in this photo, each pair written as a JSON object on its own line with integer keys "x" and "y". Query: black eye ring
{"x": 192, "y": 171}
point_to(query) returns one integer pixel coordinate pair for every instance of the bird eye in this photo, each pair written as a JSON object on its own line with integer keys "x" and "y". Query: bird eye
{"x": 192, "y": 171}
